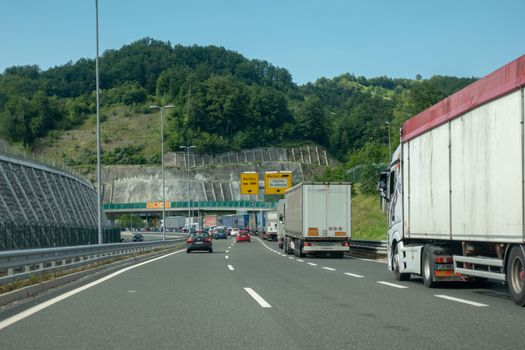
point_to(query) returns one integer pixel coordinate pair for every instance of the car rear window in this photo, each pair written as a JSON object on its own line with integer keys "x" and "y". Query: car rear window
{"x": 199, "y": 235}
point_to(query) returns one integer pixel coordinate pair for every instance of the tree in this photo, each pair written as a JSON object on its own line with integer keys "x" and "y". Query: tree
{"x": 313, "y": 122}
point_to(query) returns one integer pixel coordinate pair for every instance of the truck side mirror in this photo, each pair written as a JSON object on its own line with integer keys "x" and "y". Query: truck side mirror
{"x": 382, "y": 185}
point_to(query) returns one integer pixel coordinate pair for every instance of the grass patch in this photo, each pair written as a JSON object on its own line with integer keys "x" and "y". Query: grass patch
{"x": 368, "y": 221}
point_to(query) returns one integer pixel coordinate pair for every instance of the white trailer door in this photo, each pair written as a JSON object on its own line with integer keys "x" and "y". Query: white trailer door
{"x": 338, "y": 210}
{"x": 327, "y": 208}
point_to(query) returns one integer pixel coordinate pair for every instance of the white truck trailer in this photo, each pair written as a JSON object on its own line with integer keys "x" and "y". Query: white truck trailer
{"x": 270, "y": 227}
{"x": 174, "y": 222}
{"x": 317, "y": 219}
{"x": 455, "y": 187}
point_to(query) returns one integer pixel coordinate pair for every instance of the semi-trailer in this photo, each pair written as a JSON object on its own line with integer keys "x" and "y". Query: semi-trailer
{"x": 455, "y": 187}
{"x": 317, "y": 219}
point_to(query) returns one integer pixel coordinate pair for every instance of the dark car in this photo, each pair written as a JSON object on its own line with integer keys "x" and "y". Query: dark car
{"x": 138, "y": 237}
{"x": 220, "y": 233}
{"x": 199, "y": 241}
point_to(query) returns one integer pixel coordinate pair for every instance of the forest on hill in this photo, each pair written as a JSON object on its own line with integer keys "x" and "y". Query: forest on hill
{"x": 222, "y": 101}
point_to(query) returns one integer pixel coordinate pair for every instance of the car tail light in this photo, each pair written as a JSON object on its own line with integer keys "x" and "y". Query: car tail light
{"x": 346, "y": 244}
{"x": 307, "y": 244}
{"x": 189, "y": 240}
{"x": 207, "y": 240}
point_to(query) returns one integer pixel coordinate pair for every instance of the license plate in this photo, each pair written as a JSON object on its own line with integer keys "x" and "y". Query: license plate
{"x": 326, "y": 244}
{"x": 198, "y": 242}
{"x": 444, "y": 266}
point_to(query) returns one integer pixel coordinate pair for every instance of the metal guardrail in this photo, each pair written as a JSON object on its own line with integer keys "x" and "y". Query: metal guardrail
{"x": 21, "y": 264}
{"x": 378, "y": 247}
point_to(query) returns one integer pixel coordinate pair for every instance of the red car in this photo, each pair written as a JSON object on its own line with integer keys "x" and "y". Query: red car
{"x": 243, "y": 236}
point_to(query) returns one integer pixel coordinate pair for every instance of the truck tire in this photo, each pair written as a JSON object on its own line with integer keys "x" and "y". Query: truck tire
{"x": 516, "y": 275}
{"x": 427, "y": 267}
{"x": 286, "y": 246}
{"x": 298, "y": 251}
{"x": 395, "y": 267}
{"x": 281, "y": 245}
{"x": 300, "y": 248}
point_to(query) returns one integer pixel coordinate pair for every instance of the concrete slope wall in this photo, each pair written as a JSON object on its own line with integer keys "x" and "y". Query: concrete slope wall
{"x": 131, "y": 184}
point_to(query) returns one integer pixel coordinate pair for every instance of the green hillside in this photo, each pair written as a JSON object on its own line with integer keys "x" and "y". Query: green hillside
{"x": 222, "y": 102}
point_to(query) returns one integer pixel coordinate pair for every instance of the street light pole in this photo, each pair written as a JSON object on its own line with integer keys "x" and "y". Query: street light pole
{"x": 162, "y": 165}
{"x": 188, "y": 172}
{"x": 389, "y": 146}
{"x": 99, "y": 171}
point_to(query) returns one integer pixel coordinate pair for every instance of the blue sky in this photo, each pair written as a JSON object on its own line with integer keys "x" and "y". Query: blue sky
{"x": 312, "y": 39}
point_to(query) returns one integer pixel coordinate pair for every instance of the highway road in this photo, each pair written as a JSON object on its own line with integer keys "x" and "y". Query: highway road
{"x": 251, "y": 296}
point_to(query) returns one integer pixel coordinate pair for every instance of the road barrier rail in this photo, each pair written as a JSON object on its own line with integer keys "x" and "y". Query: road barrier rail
{"x": 360, "y": 246}
{"x": 21, "y": 264}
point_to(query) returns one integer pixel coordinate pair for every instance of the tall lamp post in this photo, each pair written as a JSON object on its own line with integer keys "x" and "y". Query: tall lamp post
{"x": 99, "y": 171}
{"x": 388, "y": 125}
{"x": 188, "y": 171}
{"x": 162, "y": 165}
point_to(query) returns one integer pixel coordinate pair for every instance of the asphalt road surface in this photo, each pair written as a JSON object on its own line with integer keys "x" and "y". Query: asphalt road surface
{"x": 251, "y": 296}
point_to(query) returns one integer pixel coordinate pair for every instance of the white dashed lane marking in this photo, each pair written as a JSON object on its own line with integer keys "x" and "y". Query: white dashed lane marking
{"x": 463, "y": 301}
{"x": 353, "y": 275}
{"x": 257, "y": 298}
{"x": 392, "y": 284}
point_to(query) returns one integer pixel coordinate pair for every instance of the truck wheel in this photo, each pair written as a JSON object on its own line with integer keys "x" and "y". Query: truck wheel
{"x": 296, "y": 249}
{"x": 286, "y": 248}
{"x": 395, "y": 266}
{"x": 516, "y": 275}
{"x": 280, "y": 245}
{"x": 428, "y": 267}
{"x": 300, "y": 248}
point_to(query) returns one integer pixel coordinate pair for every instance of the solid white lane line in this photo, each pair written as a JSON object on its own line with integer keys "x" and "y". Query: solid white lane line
{"x": 464, "y": 301}
{"x": 230, "y": 268}
{"x": 257, "y": 297}
{"x": 312, "y": 264}
{"x": 328, "y": 268}
{"x": 9, "y": 321}
{"x": 392, "y": 284}
{"x": 353, "y": 275}
{"x": 226, "y": 257}
{"x": 300, "y": 260}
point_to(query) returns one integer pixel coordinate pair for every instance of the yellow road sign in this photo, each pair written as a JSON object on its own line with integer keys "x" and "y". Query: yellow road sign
{"x": 277, "y": 182}
{"x": 250, "y": 183}
{"x": 157, "y": 205}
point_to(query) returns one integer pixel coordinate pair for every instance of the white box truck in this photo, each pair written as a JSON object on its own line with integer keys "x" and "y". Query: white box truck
{"x": 270, "y": 227}
{"x": 174, "y": 223}
{"x": 455, "y": 187}
{"x": 317, "y": 219}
